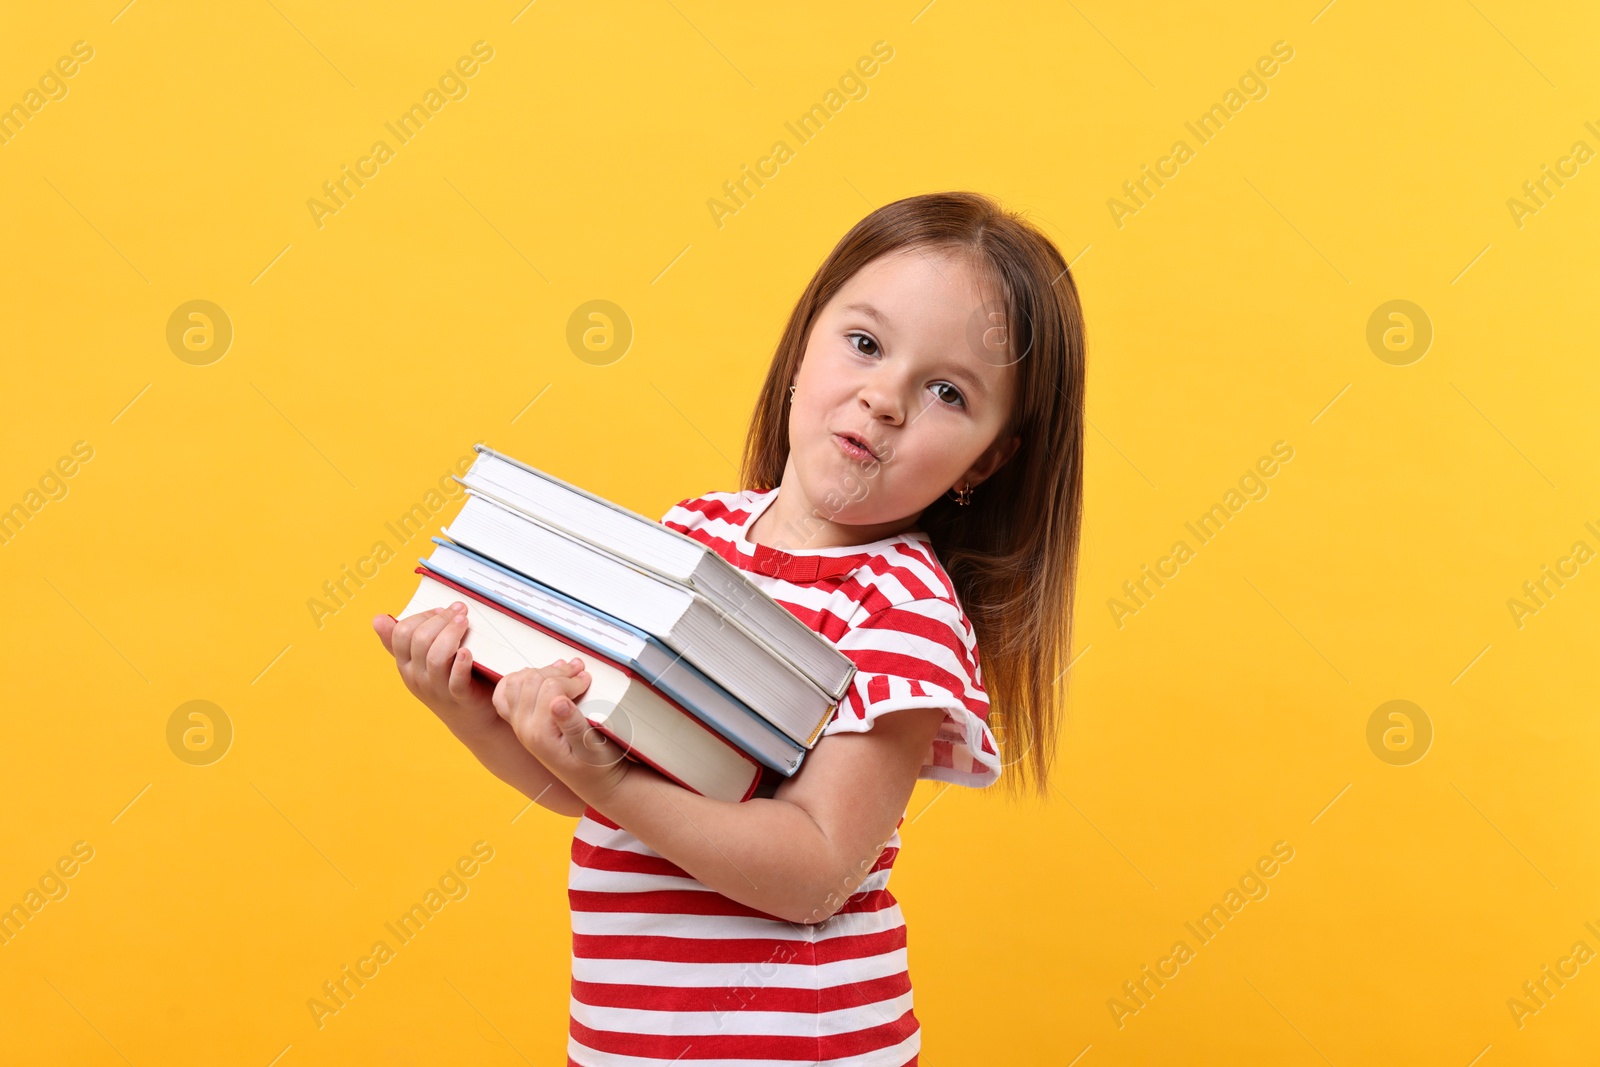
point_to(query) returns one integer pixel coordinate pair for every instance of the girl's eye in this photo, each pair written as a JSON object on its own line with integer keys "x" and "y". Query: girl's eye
{"x": 955, "y": 398}
{"x": 872, "y": 351}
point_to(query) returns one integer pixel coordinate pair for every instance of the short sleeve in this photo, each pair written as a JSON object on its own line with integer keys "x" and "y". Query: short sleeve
{"x": 922, "y": 654}
{"x": 678, "y": 515}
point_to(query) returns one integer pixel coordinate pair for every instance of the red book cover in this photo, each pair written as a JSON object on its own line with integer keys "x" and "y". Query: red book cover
{"x": 624, "y": 668}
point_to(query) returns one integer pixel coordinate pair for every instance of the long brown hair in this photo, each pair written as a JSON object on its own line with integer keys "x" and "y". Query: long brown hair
{"x": 1012, "y": 553}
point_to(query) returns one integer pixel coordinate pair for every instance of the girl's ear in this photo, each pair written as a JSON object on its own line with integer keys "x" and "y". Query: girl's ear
{"x": 998, "y": 455}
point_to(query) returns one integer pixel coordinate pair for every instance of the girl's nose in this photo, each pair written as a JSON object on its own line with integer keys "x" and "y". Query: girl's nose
{"x": 880, "y": 395}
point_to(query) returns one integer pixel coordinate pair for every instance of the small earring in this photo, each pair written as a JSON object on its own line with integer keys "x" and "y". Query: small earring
{"x": 963, "y": 496}
{"x": 791, "y": 394}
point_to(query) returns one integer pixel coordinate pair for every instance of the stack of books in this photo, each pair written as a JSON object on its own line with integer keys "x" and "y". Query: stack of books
{"x": 695, "y": 671}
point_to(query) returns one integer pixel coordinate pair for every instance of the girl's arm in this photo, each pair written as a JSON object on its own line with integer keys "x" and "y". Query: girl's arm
{"x": 802, "y": 853}
{"x": 797, "y": 855}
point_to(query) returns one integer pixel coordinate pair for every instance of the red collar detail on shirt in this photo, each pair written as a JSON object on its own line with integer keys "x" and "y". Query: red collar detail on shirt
{"x": 791, "y": 568}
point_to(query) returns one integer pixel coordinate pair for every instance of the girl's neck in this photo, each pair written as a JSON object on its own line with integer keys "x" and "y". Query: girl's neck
{"x": 793, "y": 522}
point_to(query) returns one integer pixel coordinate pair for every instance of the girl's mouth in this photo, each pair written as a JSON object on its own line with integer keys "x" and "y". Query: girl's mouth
{"x": 853, "y": 449}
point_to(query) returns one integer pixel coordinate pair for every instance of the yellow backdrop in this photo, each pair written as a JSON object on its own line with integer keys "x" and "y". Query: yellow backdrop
{"x": 1338, "y": 267}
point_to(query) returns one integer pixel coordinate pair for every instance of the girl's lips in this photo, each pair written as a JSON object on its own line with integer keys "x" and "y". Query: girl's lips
{"x": 853, "y": 450}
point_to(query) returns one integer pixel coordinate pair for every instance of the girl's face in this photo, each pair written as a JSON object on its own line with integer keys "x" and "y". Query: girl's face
{"x": 906, "y": 358}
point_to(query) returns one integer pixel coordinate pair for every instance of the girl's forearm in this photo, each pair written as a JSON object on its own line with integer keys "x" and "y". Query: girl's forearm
{"x": 497, "y": 747}
{"x": 766, "y": 853}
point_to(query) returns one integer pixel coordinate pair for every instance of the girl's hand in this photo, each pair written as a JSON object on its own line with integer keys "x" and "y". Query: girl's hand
{"x": 438, "y": 671}
{"x": 542, "y": 712}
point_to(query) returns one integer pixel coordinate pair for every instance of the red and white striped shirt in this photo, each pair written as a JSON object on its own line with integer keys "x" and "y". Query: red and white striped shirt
{"x": 669, "y": 973}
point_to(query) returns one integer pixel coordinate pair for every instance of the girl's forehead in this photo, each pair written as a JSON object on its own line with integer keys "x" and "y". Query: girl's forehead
{"x": 913, "y": 277}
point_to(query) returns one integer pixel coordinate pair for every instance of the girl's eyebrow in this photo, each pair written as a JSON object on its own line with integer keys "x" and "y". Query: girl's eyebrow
{"x": 870, "y": 312}
{"x": 959, "y": 370}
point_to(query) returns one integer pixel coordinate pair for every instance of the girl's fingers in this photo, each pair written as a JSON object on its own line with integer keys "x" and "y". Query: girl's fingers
{"x": 461, "y": 674}
{"x": 507, "y": 691}
{"x": 400, "y": 637}
{"x": 553, "y": 689}
{"x": 561, "y": 668}
{"x": 524, "y": 691}
{"x": 422, "y": 637}
{"x": 445, "y": 643}
{"x": 412, "y": 645}
{"x": 508, "y": 695}
{"x": 526, "y": 682}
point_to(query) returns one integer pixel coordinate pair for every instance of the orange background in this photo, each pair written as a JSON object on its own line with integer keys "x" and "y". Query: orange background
{"x": 371, "y": 346}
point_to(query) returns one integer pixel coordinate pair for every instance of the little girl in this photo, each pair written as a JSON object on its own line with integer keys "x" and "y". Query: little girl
{"x": 915, "y": 464}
